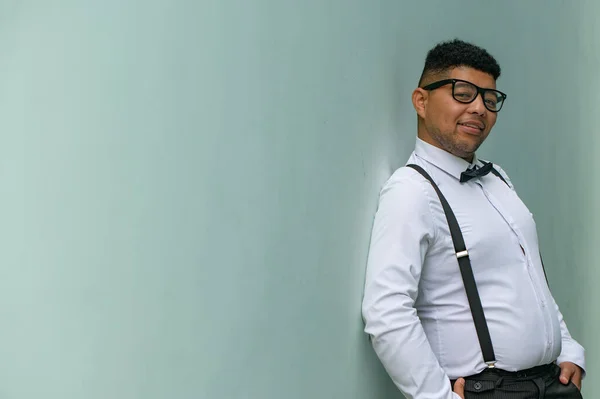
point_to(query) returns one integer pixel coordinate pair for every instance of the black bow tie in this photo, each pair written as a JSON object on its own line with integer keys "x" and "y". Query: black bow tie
{"x": 476, "y": 172}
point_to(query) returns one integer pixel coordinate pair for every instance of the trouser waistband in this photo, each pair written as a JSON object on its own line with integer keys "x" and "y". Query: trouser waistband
{"x": 494, "y": 374}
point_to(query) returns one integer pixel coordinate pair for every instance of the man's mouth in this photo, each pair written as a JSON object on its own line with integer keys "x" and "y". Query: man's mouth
{"x": 473, "y": 125}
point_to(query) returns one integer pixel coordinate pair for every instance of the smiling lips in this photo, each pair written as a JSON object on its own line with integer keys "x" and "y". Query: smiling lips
{"x": 473, "y": 126}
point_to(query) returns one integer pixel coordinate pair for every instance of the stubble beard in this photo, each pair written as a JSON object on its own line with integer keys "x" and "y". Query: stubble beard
{"x": 452, "y": 143}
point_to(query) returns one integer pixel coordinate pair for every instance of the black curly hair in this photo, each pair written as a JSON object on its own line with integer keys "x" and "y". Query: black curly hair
{"x": 456, "y": 53}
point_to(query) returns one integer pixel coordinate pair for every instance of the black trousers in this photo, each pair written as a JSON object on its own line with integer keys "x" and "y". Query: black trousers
{"x": 536, "y": 383}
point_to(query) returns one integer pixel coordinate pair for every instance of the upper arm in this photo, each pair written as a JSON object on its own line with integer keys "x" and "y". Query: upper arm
{"x": 402, "y": 232}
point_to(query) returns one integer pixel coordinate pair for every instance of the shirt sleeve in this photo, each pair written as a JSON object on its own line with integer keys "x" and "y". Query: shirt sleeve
{"x": 571, "y": 350}
{"x": 402, "y": 231}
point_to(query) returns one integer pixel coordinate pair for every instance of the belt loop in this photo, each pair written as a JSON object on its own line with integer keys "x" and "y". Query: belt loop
{"x": 499, "y": 382}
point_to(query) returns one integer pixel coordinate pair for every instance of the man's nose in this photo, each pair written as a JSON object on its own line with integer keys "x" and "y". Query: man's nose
{"x": 477, "y": 106}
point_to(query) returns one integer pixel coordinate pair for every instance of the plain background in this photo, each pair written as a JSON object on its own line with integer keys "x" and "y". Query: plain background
{"x": 187, "y": 187}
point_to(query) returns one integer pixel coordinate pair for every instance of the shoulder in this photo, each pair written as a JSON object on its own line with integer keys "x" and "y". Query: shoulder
{"x": 404, "y": 178}
{"x": 407, "y": 189}
{"x": 405, "y": 206}
{"x": 503, "y": 174}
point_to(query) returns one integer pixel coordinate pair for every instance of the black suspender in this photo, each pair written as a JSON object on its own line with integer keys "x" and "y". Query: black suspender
{"x": 483, "y": 333}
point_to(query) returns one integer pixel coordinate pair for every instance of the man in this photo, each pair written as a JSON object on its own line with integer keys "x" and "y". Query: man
{"x": 439, "y": 333}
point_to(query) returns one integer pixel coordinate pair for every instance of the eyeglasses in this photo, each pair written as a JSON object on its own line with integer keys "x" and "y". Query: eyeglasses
{"x": 466, "y": 92}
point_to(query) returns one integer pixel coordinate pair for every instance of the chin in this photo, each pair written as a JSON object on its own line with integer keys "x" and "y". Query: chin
{"x": 465, "y": 151}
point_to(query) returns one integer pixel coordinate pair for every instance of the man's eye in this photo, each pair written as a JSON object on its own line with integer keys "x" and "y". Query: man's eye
{"x": 464, "y": 96}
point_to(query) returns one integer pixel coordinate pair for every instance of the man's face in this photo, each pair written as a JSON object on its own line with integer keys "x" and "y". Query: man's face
{"x": 453, "y": 126}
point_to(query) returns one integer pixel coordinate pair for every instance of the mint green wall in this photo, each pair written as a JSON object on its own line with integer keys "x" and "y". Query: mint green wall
{"x": 188, "y": 186}
{"x": 584, "y": 198}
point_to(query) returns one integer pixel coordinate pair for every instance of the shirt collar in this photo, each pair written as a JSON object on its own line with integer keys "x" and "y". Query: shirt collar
{"x": 442, "y": 159}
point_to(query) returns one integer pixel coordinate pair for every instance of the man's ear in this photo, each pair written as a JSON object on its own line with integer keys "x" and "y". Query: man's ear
{"x": 419, "y": 100}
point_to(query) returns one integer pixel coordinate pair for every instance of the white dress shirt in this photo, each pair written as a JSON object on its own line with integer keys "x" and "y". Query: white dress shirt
{"x": 415, "y": 307}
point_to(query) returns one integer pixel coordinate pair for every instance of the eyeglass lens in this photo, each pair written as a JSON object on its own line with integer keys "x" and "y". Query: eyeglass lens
{"x": 466, "y": 93}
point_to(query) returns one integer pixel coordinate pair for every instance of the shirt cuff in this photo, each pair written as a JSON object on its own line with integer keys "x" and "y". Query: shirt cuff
{"x": 572, "y": 352}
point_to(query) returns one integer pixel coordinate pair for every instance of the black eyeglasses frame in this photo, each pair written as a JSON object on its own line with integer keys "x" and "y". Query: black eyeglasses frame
{"x": 480, "y": 91}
